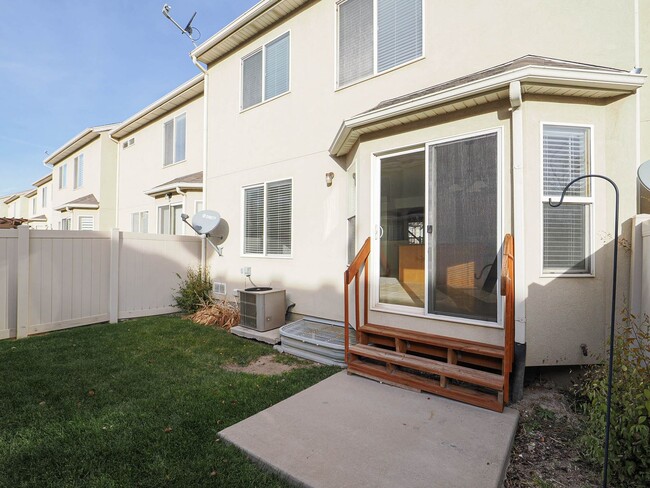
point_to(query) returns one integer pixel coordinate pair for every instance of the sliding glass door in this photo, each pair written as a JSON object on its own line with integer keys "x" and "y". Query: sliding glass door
{"x": 439, "y": 229}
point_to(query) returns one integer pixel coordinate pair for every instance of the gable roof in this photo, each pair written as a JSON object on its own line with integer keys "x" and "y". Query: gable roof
{"x": 16, "y": 196}
{"x": 536, "y": 75}
{"x": 76, "y": 143}
{"x": 87, "y": 201}
{"x": 251, "y": 23}
{"x": 187, "y": 91}
{"x": 192, "y": 181}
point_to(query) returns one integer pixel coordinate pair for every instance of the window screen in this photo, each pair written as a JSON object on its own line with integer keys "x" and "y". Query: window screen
{"x": 276, "y": 79}
{"x": 356, "y": 45}
{"x": 252, "y": 80}
{"x": 278, "y": 217}
{"x": 169, "y": 142}
{"x": 254, "y": 220}
{"x": 179, "y": 143}
{"x": 399, "y": 32}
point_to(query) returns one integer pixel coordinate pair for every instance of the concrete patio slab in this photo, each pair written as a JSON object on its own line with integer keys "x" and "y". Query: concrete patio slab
{"x": 349, "y": 431}
{"x": 269, "y": 337}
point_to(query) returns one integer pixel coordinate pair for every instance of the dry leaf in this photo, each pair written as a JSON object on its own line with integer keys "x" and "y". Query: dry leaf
{"x": 167, "y": 430}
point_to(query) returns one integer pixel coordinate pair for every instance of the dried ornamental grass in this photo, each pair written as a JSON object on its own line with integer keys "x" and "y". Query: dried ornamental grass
{"x": 222, "y": 314}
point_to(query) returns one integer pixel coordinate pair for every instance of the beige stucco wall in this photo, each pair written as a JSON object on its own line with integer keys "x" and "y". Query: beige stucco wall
{"x": 47, "y": 208}
{"x": 141, "y": 166}
{"x": 100, "y": 167}
{"x": 290, "y": 137}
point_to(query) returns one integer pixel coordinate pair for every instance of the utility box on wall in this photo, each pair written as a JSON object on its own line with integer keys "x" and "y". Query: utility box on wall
{"x": 262, "y": 309}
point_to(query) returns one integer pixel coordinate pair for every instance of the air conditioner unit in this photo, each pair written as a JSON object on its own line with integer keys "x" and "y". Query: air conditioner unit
{"x": 262, "y": 308}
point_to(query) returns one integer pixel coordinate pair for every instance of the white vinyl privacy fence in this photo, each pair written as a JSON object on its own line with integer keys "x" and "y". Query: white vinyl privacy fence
{"x": 52, "y": 280}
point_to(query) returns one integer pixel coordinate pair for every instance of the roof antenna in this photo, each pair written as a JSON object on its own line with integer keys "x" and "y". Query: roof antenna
{"x": 189, "y": 31}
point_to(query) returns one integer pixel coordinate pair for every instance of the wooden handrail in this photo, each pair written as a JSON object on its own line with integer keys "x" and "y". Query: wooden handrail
{"x": 359, "y": 262}
{"x": 508, "y": 290}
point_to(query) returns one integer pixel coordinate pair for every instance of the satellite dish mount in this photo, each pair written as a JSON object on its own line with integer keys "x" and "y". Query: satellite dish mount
{"x": 192, "y": 33}
{"x": 209, "y": 223}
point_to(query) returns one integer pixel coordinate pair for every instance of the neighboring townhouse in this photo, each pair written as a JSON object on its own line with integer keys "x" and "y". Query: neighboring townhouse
{"x": 83, "y": 181}
{"x": 434, "y": 128}
{"x": 40, "y": 206}
{"x": 160, "y": 157}
{"x": 17, "y": 205}
{"x": 3, "y": 206}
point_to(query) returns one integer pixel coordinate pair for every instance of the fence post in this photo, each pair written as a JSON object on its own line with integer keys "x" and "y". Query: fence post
{"x": 22, "y": 283}
{"x": 114, "y": 280}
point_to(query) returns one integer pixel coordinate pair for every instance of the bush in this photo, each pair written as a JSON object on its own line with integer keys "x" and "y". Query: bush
{"x": 629, "y": 441}
{"x": 194, "y": 291}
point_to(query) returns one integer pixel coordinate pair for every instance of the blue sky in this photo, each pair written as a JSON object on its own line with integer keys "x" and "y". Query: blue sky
{"x": 72, "y": 64}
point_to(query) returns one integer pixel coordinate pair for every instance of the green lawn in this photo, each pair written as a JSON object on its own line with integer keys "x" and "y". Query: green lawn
{"x": 133, "y": 404}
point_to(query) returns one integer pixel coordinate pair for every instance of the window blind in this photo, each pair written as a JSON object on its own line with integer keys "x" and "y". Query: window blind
{"x": 399, "y": 32}
{"x": 278, "y": 217}
{"x": 135, "y": 222}
{"x": 144, "y": 222}
{"x": 276, "y": 79}
{"x": 252, "y": 80}
{"x": 254, "y": 220}
{"x": 356, "y": 44}
{"x": 565, "y": 158}
{"x": 179, "y": 144}
{"x": 169, "y": 142}
{"x": 44, "y": 197}
{"x": 565, "y": 231}
{"x": 79, "y": 171}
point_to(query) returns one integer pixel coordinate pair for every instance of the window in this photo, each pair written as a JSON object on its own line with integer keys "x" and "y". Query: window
{"x": 566, "y": 229}
{"x": 34, "y": 202}
{"x": 65, "y": 224}
{"x": 44, "y": 197}
{"x": 377, "y": 35}
{"x": 63, "y": 176}
{"x": 352, "y": 211}
{"x": 86, "y": 222}
{"x": 265, "y": 73}
{"x": 169, "y": 219}
{"x": 267, "y": 219}
{"x": 140, "y": 222}
{"x": 79, "y": 171}
{"x": 174, "y": 140}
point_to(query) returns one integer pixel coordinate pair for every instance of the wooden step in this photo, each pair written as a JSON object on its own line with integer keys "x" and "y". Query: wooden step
{"x": 431, "y": 366}
{"x": 404, "y": 379}
{"x": 463, "y": 345}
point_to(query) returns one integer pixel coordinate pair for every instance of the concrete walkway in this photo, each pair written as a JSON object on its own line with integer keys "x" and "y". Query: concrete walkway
{"x": 349, "y": 431}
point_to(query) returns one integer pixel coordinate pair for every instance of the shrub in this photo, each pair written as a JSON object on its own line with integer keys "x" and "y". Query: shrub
{"x": 629, "y": 441}
{"x": 194, "y": 290}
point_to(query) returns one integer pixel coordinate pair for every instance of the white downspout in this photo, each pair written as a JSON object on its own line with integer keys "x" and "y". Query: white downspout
{"x": 521, "y": 291}
{"x": 117, "y": 182}
{"x": 184, "y": 195}
{"x": 637, "y": 96}
{"x": 205, "y": 147}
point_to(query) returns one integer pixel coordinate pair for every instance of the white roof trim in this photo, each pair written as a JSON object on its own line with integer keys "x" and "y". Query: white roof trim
{"x": 77, "y": 142}
{"x": 70, "y": 206}
{"x": 531, "y": 75}
{"x": 173, "y": 187}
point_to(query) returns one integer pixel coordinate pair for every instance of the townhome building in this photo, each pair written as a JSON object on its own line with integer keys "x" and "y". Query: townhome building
{"x": 160, "y": 160}
{"x": 17, "y": 205}
{"x": 84, "y": 174}
{"x": 40, "y": 205}
{"x": 433, "y": 129}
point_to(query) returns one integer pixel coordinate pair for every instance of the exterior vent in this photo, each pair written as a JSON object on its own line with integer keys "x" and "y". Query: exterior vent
{"x": 128, "y": 143}
{"x": 218, "y": 288}
{"x": 262, "y": 310}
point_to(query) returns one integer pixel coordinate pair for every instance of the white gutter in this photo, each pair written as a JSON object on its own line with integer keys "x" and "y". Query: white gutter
{"x": 205, "y": 145}
{"x": 518, "y": 207}
{"x": 117, "y": 181}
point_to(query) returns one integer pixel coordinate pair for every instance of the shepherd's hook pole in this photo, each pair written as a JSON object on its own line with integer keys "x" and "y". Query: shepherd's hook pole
{"x": 613, "y": 318}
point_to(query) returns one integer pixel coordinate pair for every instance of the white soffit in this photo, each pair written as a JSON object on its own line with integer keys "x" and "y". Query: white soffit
{"x": 76, "y": 143}
{"x": 538, "y": 80}
{"x": 252, "y": 22}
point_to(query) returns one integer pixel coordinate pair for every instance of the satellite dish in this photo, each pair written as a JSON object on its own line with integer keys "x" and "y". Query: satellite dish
{"x": 206, "y": 221}
{"x": 644, "y": 174}
{"x": 220, "y": 233}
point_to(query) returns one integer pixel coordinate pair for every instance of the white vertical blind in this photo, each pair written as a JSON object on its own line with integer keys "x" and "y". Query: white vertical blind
{"x": 566, "y": 228}
{"x": 135, "y": 222}
{"x": 278, "y": 217}
{"x": 399, "y": 32}
{"x": 179, "y": 143}
{"x": 144, "y": 222}
{"x": 44, "y": 197}
{"x": 63, "y": 175}
{"x": 276, "y": 78}
{"x": 86, "y": 223}
{"x": 252, "y": 80}
{"x": 79, "y": 171}
{"x": 163, "y": 220}
{"x": 169, "y": 143}
{"x": 356, "y": 44}
{"x": 254, "y": 220}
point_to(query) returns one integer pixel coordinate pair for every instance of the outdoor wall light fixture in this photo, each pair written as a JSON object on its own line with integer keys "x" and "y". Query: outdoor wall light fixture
{"x": 613, "y": 316}
{"x": 328, "y": 178}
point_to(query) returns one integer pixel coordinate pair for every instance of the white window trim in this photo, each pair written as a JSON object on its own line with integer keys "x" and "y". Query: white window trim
{"x": 264, "y": 255}
{"x": 170, "y": 205}
{"x": 375, "y": 195}
{"x": 591, "y": 201}
{"x": 44, "y": 197}
{"x": 262, "y": 49}
{"x": 374, "y": 74}
{"x": 173, "y": 163}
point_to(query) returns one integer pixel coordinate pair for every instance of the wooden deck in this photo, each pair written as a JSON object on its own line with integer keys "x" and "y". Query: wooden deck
{"x": 463, "y": 370}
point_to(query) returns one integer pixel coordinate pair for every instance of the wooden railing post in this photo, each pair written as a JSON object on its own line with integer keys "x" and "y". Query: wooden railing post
{"x": 508, "y": 290}
{"x": 359, "y": 263}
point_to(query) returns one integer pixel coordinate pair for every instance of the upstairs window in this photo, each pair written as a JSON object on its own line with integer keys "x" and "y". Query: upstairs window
{"x": 566, "y": 154}
{"x": 265, "y": 72}
{"x": 79, "y": 171}
{"x": 44, "y": 197}
{"x": 63, "y": 176}
{"x": 174, "y": 140}
{"x": 377, "y": 35}
{"x": 267, "y": 219}
{"x": 34, "y": 202}
{"x": 140, "y": 222}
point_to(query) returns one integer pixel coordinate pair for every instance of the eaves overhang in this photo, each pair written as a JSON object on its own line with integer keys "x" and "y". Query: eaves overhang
{"x": 251, "y": 23}
{"x": 173, "y": 189}
{"x": 540, "y": 80}
{"x": 77, "y": 142}
{"x": 45, "y": 179}
{"x": 184, "y": 93}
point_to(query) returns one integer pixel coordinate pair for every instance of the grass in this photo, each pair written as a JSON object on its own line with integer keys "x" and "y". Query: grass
{"x": 133, "y": 404}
